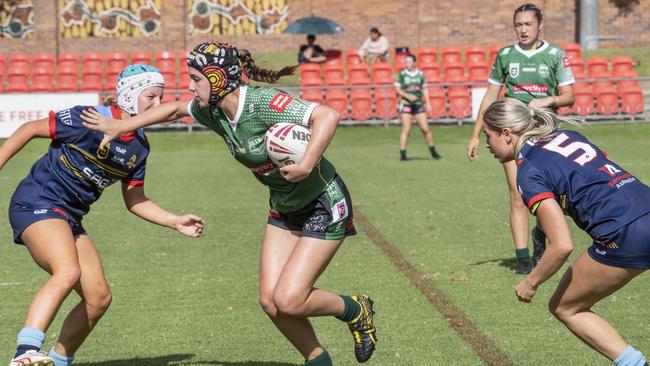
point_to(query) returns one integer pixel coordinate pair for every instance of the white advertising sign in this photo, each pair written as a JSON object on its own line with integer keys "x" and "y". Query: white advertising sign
{"x": 477, "y": 98}
{"x": 16, "y": 109}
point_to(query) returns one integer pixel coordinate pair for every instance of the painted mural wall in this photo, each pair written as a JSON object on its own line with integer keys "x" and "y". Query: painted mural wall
{"x": 109, "y": 18}
{"x": 16, "y": 19}
{"x": 236, "y": 17}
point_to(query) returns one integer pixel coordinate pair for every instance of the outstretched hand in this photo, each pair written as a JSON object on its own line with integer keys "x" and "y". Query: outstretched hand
{"x": 95, "y": 121}
{"x": 190, "y": 225}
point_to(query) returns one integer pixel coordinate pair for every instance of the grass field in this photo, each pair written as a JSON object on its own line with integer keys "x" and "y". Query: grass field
{"x": 179, "y": 301}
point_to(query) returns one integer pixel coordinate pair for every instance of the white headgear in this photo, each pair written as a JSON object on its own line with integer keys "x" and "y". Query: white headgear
{"x": 132, "y": 81}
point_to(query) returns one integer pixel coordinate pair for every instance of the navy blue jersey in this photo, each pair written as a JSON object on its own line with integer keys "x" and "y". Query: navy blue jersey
{"x": 598, "y": 194}
{"x": 74, "y": 172}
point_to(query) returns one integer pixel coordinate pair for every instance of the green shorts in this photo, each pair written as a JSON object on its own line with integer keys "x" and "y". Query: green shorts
{"x": 328, "y": 217}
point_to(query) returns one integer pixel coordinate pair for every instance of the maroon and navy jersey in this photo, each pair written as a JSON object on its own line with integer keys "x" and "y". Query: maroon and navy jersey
{"x": 74, "y": 172}
{"x": 599, "y": 195}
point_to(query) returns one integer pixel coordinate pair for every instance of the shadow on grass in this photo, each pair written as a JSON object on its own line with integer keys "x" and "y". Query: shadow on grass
{"x": 178, "y": 360}
{"x": 510, "y": 263}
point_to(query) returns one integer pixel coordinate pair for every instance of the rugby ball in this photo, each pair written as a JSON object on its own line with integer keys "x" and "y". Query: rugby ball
{"x": 286, "y": 143}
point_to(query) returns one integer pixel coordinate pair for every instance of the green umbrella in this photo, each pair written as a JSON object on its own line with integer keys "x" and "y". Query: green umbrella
{"x": 313, "y": 25}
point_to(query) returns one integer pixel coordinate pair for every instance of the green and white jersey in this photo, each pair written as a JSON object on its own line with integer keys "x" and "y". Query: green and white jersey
{"x": 531, "y": 74}
{"x": 412, "y": 82}
{"x": 259, "y": 109}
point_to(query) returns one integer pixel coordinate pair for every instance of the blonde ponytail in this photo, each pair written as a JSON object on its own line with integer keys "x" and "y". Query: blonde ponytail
{"x": 528, "y": 123}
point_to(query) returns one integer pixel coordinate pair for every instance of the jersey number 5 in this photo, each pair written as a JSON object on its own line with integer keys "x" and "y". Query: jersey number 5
{"x": 589, "y": 153}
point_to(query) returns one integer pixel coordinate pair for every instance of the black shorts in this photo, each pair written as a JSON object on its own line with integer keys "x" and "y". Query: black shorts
{"x": 410, "y": 108}
{"x": 328, "y": 217}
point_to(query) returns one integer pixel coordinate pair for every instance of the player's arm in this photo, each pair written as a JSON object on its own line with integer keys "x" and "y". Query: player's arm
{"x": 491, "y": 95}
{"x": 565, "y": 98}
{"x": 402, "y": 93}
{"x": 323, "y": 121}
{"x": 25, "y": 133}
{"x": 140, "y": 205}
{"x": 551, "y": 219}
{"x": 166, "y": 112}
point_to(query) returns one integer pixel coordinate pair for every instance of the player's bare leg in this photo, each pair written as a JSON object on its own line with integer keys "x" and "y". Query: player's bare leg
{"x": 421, "y": 119}
{"x": 584, "y": 284}
{"x": 95, "y": 299}
{"x": 518, "y": 220}
{"x": 407, "y": 120}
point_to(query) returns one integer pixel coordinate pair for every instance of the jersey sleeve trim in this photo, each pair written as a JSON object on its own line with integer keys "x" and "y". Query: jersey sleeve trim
{"x": 52, "y": 125}
{"x": 133, "y": 183}
{"x": 494, "y": 82}
{"x": 189, "y": 109}
{"x": 568, "y": 82}
{"x": 308, "y": 112}
{"x": 532, "y": 203}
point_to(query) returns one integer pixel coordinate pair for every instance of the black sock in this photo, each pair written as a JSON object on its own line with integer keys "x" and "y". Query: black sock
{"x": 402, "y": 154}
{"x": 522, "y": 254}
{"x": 22, "y": 348}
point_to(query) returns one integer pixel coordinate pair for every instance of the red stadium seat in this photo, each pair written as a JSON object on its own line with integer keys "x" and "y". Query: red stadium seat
{"x": 45, "y": 61}
{"x": 352, "y": 56}
{"x": 596, "y": 64}
{"x": 456, "y": 78}
{"x": 632, "y": 101}
{"x": 309, "y": 71}
{"x": 449, "y": 55}
{"x": 478, "y": 72}
{"x": 453, "y": 70}
{"x": 20, "y": 60}
{"x": 438, "y": 103}
{"x": 385, "y": 102}
{"x": 166, "y": 60}
{"x": 68, "y": 60}
{"x": 494, "y": 49}
{"x": 358, "y": 74}
{"x": 571, "y": 49}
{"x": 333, "y": 73}
{"x": 460, "y": 104}
{"x": 170, "y": 79}
{"x": 399, "y": 60}
{"x": 603, "y": 79}
{"x": 606, "y": 101}
{"x": 116, "y": 61}
{"x": 337, "y": 99}
{"x": 91, "y": 80}
{"x": 312, "y": 92}
{"x": 381, "y": 73}
{"x": 621, "y": 63}
{"x": 110, "y": 82}
{"x": 333, "y": 57}
{"x": 66, "y": 79}
{"x": 360, "y": 104}
{"x": 183, "y": 81}
{"x": 431, "y": 73}
{"x": 17, "y": 80}
{"x": 93, "y": 61}
{"x": 141, "y": 58}
{"x": 584, "y": 101}
{"x": 630, "y": 80}
{"x": 427, "y": 56}
{"x": 474, "y": 54}
{"x": 42, "y": 80}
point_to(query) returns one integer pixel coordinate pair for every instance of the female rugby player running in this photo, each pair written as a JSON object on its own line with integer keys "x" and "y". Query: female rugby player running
{"x": 47, "y": 208}
{"x": 561, "y": 172}
{"x": 311, "y": 211}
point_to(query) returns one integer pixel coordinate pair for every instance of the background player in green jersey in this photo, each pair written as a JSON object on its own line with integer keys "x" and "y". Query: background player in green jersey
{"x": 536, "y": 72}
{"x": 311, "y": 211}
{"x": 412, "y": 87}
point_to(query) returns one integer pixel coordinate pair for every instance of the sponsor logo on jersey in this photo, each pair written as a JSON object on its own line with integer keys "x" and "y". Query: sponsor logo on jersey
{"x": 622, "y": 180}
{"x": 251, "y": 109}
{"x": 566, "y": 62}
{"x": 553, "y": 51}
{"x": 530, "y": 88}
{"x": 120, "y": 150}
{"x": 505, "y": 51}
{"x": 103, "y": 153}
{"x": 118, "y": 159}
{"x": 256, "y": 145}
{"x": 543, "y": 70}
{"x": 131, "y": 163}
{"x": 40, "y": 212}
{"x": 99, "y": 181}
{"x": 513, "y": 69}
{"x": 65, "y": 117}
{"x": 263, "y": 169}
{"x": 339, "y": 211}
{"x": 528, "y": 69}
{"x": 279, "y": 102}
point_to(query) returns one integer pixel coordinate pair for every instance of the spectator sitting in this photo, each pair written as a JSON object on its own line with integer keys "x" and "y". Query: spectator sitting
{"x": 375, "y": 48}
{"x": 311, "y": 52}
